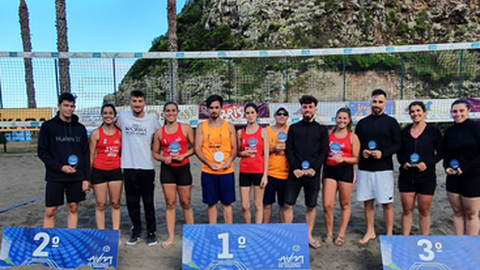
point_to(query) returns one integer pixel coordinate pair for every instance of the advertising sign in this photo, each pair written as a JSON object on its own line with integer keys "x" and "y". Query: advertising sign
{"x": 59, "y": 248}
{"x": 245, "y": 246}
{"x": 430, "y": 252}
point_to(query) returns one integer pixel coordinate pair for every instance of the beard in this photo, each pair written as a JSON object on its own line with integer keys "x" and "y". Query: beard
{"x": 376, "y": 111}
{"x": 308, "y": 118}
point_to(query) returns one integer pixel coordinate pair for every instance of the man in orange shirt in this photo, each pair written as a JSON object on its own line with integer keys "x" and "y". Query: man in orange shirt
{"x": 277, "y": 166}
{"x": 215, "y": 146}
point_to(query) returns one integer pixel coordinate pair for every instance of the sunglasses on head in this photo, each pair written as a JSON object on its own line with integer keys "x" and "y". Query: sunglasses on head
{"x": 282, "y": 114}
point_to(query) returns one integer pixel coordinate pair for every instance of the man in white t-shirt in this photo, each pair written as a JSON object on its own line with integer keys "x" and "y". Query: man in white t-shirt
{"x": 138, "y": 128}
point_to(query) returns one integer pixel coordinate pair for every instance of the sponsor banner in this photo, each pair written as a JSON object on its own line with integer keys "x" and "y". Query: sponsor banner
{"x": 234, "y": 113}
{"x": 430, "y": 252}
{"x": 92, "y": 117}
{"x": 475, "y": 109}
{"x": 31, "y": 118}
{"x": 325, "y": 111}
{"x": 59, "y": 248}
{"x": 243, "y": 246}
{"x": 438, "y": 110}
{"x": 362, "y": 108}
{"x": 188, "y": 114}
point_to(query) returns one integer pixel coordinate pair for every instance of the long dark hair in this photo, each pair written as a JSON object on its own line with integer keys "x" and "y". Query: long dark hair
{"x": 347, "y": 111}
{"x": 109, "y": 105}
{"x": 417, "y": 103}
{"x": 461, "y": 101}
{"x": 164, "y": 108}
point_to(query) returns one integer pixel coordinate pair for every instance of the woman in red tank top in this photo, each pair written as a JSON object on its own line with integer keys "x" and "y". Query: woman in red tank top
{"x": 171, "y": 147}
{"x": 252, "y": 145}
{"x": 339, "y": 174}
{"x": 105, "y": 145}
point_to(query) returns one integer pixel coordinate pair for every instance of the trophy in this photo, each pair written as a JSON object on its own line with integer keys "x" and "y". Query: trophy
{"x": 282, "y": 136}
{"x": 252, "y": 142}
{"x": 414, "y": 158}
{"x": 372, "y": 145}
{"x": 454, "y": 164}
{"x": 174, "y": 148}
{"x": 218, "y": 157}
{"x": 335, "y": 147}
{"x": 73, "y": 161}
{"x": 305, "y": 165}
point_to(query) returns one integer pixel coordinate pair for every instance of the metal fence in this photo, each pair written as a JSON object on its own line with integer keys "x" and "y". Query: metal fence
{"x": 346, "y": 74}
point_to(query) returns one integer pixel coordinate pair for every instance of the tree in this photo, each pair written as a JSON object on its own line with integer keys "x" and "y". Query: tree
{"x": 27, "y": 47}
{"x": 62, "y": 45}
{"x": 173, "y": 47}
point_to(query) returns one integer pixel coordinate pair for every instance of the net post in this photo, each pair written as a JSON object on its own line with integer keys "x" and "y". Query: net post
{"x": 402, "y": 70}
{"x": 170, "y": 65}
{"x": 286, "y": 79}
{"x": 230, "y": 79}
{"x": 1, "y": 98}
{"x": 56, "y": 77}
{"x": 344, "y": 77}
{"x": 114, "y": 82}
{"x": 460, "y": 74}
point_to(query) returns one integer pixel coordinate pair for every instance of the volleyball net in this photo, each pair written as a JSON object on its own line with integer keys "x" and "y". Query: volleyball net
{"x": 434, "y": 73}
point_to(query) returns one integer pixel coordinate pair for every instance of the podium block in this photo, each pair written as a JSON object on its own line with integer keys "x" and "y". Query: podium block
{"x": 59, "y": 248}
{"x": 245, "y": 246}
{"x": 430, "y": 252}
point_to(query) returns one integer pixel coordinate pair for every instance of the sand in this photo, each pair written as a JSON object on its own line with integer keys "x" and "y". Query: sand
{"x": 22, "y": 179}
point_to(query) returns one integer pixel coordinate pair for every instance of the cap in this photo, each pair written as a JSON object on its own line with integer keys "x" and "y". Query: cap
{"x": 280, "y": 107}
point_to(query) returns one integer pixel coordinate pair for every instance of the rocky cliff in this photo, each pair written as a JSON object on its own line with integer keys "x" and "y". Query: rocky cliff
{"x": 290, "y": 24}
{"x": 345, "y": 23}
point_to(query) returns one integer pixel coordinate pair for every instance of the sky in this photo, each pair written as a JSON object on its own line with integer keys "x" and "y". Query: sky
{"x": 93, "y": 25}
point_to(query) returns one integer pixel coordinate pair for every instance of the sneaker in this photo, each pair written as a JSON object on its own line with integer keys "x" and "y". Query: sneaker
{"x": 151, "y": 239}
{"x": 134, "y": 238}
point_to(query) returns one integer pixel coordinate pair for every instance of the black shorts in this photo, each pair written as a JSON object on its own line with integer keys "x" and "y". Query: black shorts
{"x": 424, "y": 187}
{"x": 465, "y": 185}
{"x": 179, "y": 175}
{"x": 340, "y": 173}
{"x": 102, "y": 176}
{"x": 274, "y": 186}
{"x": 249, "y": 179}
{"x": 311, "y": 188}
{"x": 55, "y": 192}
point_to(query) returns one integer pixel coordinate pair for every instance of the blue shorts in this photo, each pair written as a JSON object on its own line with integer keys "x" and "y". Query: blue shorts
{"x": 274, "y": 185}
{"x": 218, "y": 187}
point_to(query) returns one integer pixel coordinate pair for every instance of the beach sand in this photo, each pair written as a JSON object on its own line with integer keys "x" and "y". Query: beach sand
{"x": 22, "y": 179}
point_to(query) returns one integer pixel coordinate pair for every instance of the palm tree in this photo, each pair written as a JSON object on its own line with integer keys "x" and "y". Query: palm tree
{"x": 173, "y": 47}
{"x": 62, "y": 45}
{"x": 27, "y": 47}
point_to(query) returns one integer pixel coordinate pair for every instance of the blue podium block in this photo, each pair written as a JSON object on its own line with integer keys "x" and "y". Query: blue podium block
{"x": 245, "y": 246}
{"x": 59, "y": 248}
{"x": 430, "y": 252}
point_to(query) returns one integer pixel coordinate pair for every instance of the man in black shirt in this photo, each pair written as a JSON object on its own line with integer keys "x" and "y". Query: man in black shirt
{"x": 379, "y": 136}
{"x": 306, "y": 151}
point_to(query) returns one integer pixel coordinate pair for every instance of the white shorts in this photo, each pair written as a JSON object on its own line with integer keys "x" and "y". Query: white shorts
{"x": 375, "y": 185}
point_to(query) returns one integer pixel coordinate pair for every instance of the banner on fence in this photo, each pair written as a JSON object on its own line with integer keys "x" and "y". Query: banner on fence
{"x": 234, "y": 113}
{"x": 10, "y": 117}
{"x": 438, "y": 110}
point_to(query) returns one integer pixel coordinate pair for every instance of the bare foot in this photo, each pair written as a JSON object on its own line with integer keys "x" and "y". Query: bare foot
{"x": 366, "y": 239}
